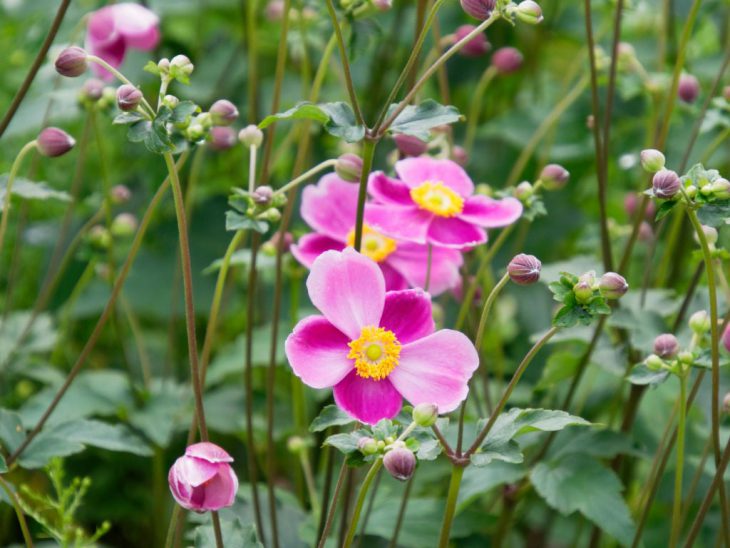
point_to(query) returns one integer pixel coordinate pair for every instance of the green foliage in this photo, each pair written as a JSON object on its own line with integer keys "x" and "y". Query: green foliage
{"x": 573, "y": 312}
{"x": 237, "y": 535}
{"x": 418, "y": 119}
{"x": 330, "y": 415}
{"x": 31, "y": 190}
{"x": 338, "y": 119}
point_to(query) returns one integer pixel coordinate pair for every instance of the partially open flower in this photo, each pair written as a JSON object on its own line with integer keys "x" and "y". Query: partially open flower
{"x": 689, "y": 88}
{"x": 349, "y": 167}
{"x": 54, "y": 142}
{"x": 666, "y": 346}
{"x": 554, "y": 176}
{"x": 665, "y": 184}
{"x": 408, "y": 145}
{"x": 477, "y": 46}
{"x": 71, "y": 62}
{"x": 223, "y": 112}
{"x": 479, "y": 9}
{"x": 524, "y": 269}
{"x": 400, "y": 463}
{"x": 222, "y": 138}
{"x": 507, "y": 60}
{"x": 612, "y": 285}
{"x": 128, "y": 97}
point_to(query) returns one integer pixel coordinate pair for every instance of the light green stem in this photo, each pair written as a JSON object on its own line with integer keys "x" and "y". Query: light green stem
{"x": 677, "y": 506}
{"x": 368, "y": 152}
{"x": 457, "y": 472}
{"x": 9, "y": 188}
{"x": 361, "y": 500}
{"x": 475, "y": 107}
{"x": 306, "y": 175}
{"x": 119, "y": 76}
{"x": 485, "y": 310}
{"x": 18, "y": 512}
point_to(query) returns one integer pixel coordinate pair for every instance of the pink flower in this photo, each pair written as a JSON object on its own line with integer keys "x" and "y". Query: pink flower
{"x": 433, "y": 202}
{"x": 726, "y": 338}
{"x": 203, "y": 479}
{"x": 115, "y": 28}
{"x": 329, "y": 208}
{"x": 376, "y": 347}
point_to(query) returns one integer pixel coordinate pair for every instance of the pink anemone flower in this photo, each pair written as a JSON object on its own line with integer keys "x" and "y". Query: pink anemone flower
{"x": 433, "y": 202}
{"x": 115, "y": 28}
{"x": 329, "y": 208}
{"x": 376, "y": 347}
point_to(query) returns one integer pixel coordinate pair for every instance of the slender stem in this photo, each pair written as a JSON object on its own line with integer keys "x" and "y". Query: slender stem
{"x": 333, "y": 506}
{"x": 486, "y": 308}
{"x": 368, "y": 511}
{"x": 119, "y": 76}
{"x": 361, "y": 500}
{"x": 9, "y": 188}
{"x": 170, "y": 537}
{"x": 475, "y": 107}
{"x": 429, "y": 261}
{"x": 368, "y": 152}
{"x": 309, "y": 480}
{"x": 252, "y": 66}
{"x": 306, "y": 175}
{"x": 677, "y": 506}
{"x": 714, "y": 145}
{"x": 18, "y": 512}
{"x": 401, "y": 512}
{"x": 457, "y": 472}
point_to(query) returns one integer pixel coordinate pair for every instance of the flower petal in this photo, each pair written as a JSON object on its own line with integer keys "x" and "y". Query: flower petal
{"x": 436, "y": 369}
{"x": 394, "y": 280}
{"x": 489, "y": 213}
{"x": 454, "y": 233}
{"x": 317, "y": 352}
{"x": 402, "y": 222}
{"x": 408, "y": 314}
{"x": 193, "y": 472}
{"x": 411, "y": 261}
{"x": 387, "y": 190}
{"x": 137, "y": 24}
{"x": 311, "y": 246}
{"x": 208, "y": 451}
{"x": 367, "y": 400}
{"x": 330, "y": 206}
{"x": 220, "y": 491}
{"x": 414, "y": 171}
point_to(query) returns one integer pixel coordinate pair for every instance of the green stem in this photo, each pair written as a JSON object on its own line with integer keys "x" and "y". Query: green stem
{"x": 368, "y": 152}
{"x": 475, "y": 107}
{"x": 119, "y": 76}
{"x": 677, "y": 506}
{"x": 252, "y": 76}
{"x": 9, "y": 188}
{"x": 333, "y": 506}
{"x": 429, "y": 261}
{"x": 401, "y": 512}
{"x": 170, "y": 537}
{"x": 714, "y": 145}
{"x": 306, "y": 175}
{"x": 18, "y": 512}
{"x": 311, "y": 485}
{"x": 487, "y": 307}
{"x": 457, "y": 472}
{"x": 361, "y": 500}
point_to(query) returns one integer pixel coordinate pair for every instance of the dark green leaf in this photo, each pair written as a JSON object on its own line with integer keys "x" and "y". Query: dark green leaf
{"x": 11, "y": 430}
{"x": 128, "y": 118}
{"x": 183, "y": 111}
{"x": 664, "y": 209}
{"x": 429, "y": 450}
{"x": 236, "y": 221}
{"x": 418, "y": 120}
{"x": 507, "y": 452}
{"x": 642, "y": 376}
{"x": 338, "y": 119}
{"x": 31, "y": 190}
{"x": 331, "y": 415}
{"x": 347, "y": 443}
{"x": 715, "y": 214}
{"x": 517, "y": 422}
{"x": 3, "y": 466}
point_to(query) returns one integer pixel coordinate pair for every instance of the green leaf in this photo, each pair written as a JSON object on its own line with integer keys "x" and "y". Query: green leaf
{"x": 331, "y": 415}
{"x": 153, "y": 134}
{"x": 580, "y": 483}
{"x": 477, "y": 481}
{"x": 337, "y": 118}
{"x": 183, "y": 111}
{"x": 429, "y": 450}
{"x": 12, "y": 432}
{"x": 664, "y": 209}
{"x": 128, "y": 118}
{"x": 417, "y": 120}
{"x": 347, "y": 443}
{"x": 517, "y": 422}
{"x": 236, "y": 221}
{"x": 643, "y": 376}
{"x": 604, "y": 444}
{"x": 236, "y": 535}
{"x": 507, "y": 452}
{"x": 31, "y": 190}
{"x": 715, "y": 214}
{"x": 152, "y": 68}
{"x": 3, "y": 466}
{"x": 559, "y": 366}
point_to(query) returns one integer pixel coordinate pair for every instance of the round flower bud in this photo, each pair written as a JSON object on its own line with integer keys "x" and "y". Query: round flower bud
{"x": 686, "y": 357}
{"x": 726, "y": 93}
{"x": 274, "y": 10}
{"x": 721, "y": 188}
{"x": 164, "y": 65}
{"x": 367, "y": 446}
{"x": 383, "y": 5}
{"x": 124, "y": 225}
{"x": 699, "y": 322}
{"x": 631, "y": 204}
{"x": 52, "y": 142}
{"x": 195, "y": 132}
{"x": 654, "y": 362}
{"x": 476, "y": 47}
{"x": 92, "y": 90}
{"x": 296, "y": 444}
{"x": 652, "y": 160}
{"x": 408, "y": 145}
{"x": 223, "y": 112}
{"x": 276, "y": 240}
{"x": 665, "y": 184}
{"x": 71, "y": 62}
{"x": 349, "y": 167}
{"x": 529, "y": 12}
{"x": 251, "y": 136}
{"x": 120, "y": 194}
{"x": 479, "y": 9}
{"x": 271, "y": 215}
{"x": 710, "y": 235}
{"x": 688, "y": 89}
{"x": 262, "y": 195}
{"x": 507, "y": 60}
{"x": 726, "y": 403}
{"x": 459, "y": 155}
{"x": 183, "y": 64}
{"x": 666, "y": 346}
{"x": 400, "y": 463}
{"x": 554, "y": 176}
{"x": 726, "y": 338}
{"x": 523, "y": 191}
{"x": 222, "y": 138}
{"x": 524, "y": 269}
{"x": 128, "y": 97}
{"x": 99, "y": 237}
{"x": 425, "y": 414}
{"x": 646, "y": 232}
{"x": 583, "y": 291}
{"x": 203, "y": 461}
{"x": 170, "y": 101}
{"x": 612, "y": 285}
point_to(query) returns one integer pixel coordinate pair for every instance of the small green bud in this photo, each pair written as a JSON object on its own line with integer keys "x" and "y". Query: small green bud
{"x": 529, "y": 12}
{"x": 686, "y": 358}
{"x": 691, "y": 191}
{"x": 170, "y": 101}
{"x": 296, "y": 444}
{"x": 699, "y": 322}
{"x": 425, "y": 414}
{"x": 250, "y": 136}
{"x": 652, "y": 160}
{"x": 654, "y": 362}
{"x": 523, "y": 191}
{"x": 368, "y": 446}
{"x": 721, "y": 188}
{"x": 124, "y": 225}
{"x": 271, "y": 215}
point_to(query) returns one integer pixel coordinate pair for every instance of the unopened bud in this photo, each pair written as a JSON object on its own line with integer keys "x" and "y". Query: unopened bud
{"x": 223, "y": 112}
{"x": 367, "y": 446}
{"x": 699, "y": 322}
{"x": 652, "y": 160}
{"x": 163, "y": 65}
{"x": 612, "y": 285}
{"x": 99, "y": 237}
{"x": 383, "y": 5}
{"x": 120, "y": 194}
{"x": 726, "y": 403}
{"x": 476, "y": 47}
{"x": 688, "y": 89}
{"x": 71, "y": 62}
{"x": 654, "y": 362}
{"x": 251, "y": 136}
{"x": 523, "y": 191}
{"x": 721, "y": 188}
{"x": 425, "y": 414}
{"x": 460, "y": 155}
{"x": 529, "y": 12}
{"x": 646, "y": 232}
{"x": 262, "y": 195}
{"x": 222, "y": 138}
{"x": 296, "y": 444}
{"x": 170, "y": 101}
{"x": 124, "y": 225}
{"x": 349, "y": 167}
{"x": 271, "y": 215}
{"x": 408, "y": 145}
{"x": 52, "y": 142}
{"x": 710, "y": 235}
{"x": 507, "y": 60}
{"x": 524, "y": 269}
{"x": 128, "y": 97}
{"x": 92, "y": 90}
{"x": 400, "y": 463}
{"x": 183, "y": 64}
{"x": 665, "y": 184}
{"x": 554, "y": 176}
{"x": 686, "y": 357}
{"x": 583, "y": 292}
{"x": 479, "y": 9}
{"x": 666, "y": 346}
{"x": 726, "y": 338}
{"x": 274, "y": 10}
{"x": 195, "y": 132}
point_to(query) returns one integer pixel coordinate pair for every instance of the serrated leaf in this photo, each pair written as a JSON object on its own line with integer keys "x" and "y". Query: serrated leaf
{"x": 331, "y": 415}
{"x": 183, "y": 111}
{"x": 337, "y": 118}
{"x": 517, "y": 422}
{"x": 429, "y": 450}
{"x": 715, "y": 214}
{"x": 152, "y": 68}
{"x": 418, "y": 120}
{"x": 31, "y": 190}
{"x": 507, "y": 452}
{"x": 236, "y": 221}
{"x": 347, "y": 443}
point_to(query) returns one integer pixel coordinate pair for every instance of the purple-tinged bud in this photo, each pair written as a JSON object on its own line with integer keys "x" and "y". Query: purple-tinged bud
{"x": 699, "y": 322}
{"x": 477, "y": 46}
{"x": 710, "y": 235}
{"x": 529, "y": 12}
{"x": 71, "y": 62}
{"x": 128, "y": 97}
{"x": 222, "y": 138}
{"x": 425, "y": 414}
{"x": 124, "y": 225}
{"x": 92, "y": 90}
{"x": 554, "y": 176}
{"x": 646, "y": 232}
{"x": 666, "y": 346}
{"x": 507, "y": 60}
{"x": 251, "y": 136}
{"x": 652, "y": 160}
{"x": 408, "y": 145}
{"x": 631, "y": 204}
{"x": 479, "y": 9}
{"x": 277, "y": 241}
{"x": 263, "y": 195}
{"x": 349, "y": 167}
{"x": 383, "y": 5}
{"x": 223, "y": 112}
{"x": 688, "y": 89}
{"x": 612, "y": 285}
{"x": 274, "y": 10}
{"x": 400, "y": 463}
{"x": 665, "y": 184}
{"x": 120, "y": 194}
{"x": 460, "y": 155}
{"x": 524, "y": 269}
{"x": 54, "y": 142}
{"x": 524, "y": 191}
{"x": 721, "y": 188}
{"x": 590, "y": 121}
{"x": 726, "y": 338}
{"x": 367, "y": 446}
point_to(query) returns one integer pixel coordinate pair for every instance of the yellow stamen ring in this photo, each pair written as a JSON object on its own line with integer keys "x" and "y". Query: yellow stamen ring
{"x": 437, "y": 198}
{"x": 376, "y": 353}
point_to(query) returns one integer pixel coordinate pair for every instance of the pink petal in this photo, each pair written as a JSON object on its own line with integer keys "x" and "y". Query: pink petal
{"x": 208, "y": 451}
{"x": 329, "y": 207}
{"x": 414, "y": 171}
{"x": 317, "y": 352}
{"x": 220, "y": 491}
{"x": 489, "y": 213}
{"x": 367, "y": 400}
{"x": 388, "y": 190}
{"x": 455, "y": 233}
{"x": 181, "y": 491}
{"x": 394, "y": 280}
{"x": 408, "y": 314}
{"x": 411, "y": 261}
{"x": 112, "y": 52}
{"x": 311, "y": 246}
{"x": 193, "y": 472}
{"x": 402, "y": 222}
{"x": 137, "y": 24}
{"x": 436, "y": 369}
{"x": 101, "y": 29}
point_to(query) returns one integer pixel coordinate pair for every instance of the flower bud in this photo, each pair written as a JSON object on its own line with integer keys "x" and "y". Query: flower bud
{"x": 203, "y": 479}
{"x": 524, "y": 269}
{"x": 476, "y": 47}
{"x": 222, "y": 138}
{"x": 612, "y": 285}
{"x": 276, "y": 240}
{"x": 459, "y": 155}
{"x": 710, "y": 235}
{"x": 652, "y": 160}
{"x": 296, "y": 444}
{"x": 274, "y": 10}
{"x": 529, "y": 12}
{"x": 400, "y": 463}
{"x": 223, "y": 112}
{"x": 163, "y": 65}
{"x": 120, "y": 194}
{"x": 688, "y": 89}
{"x": 665, "y": 184}
{"x": 425, "y": 414}
{"x": 583, "y": 291}
{"x": 128, "y": 97}
{"x": 408, "y": 145}
{"x": 721, "y": 188}
{"x": 646, "y": 232}
{"x": 262, "y": 195}
{"x": 478, "y": 9}
{"x": 686, "y": 357}
{"x": 195, "y": 132}
{"x": 726, "y": 338}
{"x": 726, "y": 93}
{"x": 699, "y": 322}
{"x": 71, "y": 62}
{"x": 52, "y": 142}
{"x": 367, "y": 446}
{"x": 99, "y": 237}
{"x": 383, "y": 5}
{"x": 183, "y": 64}
{"x": 554, "y": 176}
{"x": 507, "y": 60}
{"x": 654, "y": 362}
{"x": 124, "y": 225}
{"x": 631, "y": 204}
{"x": 349, "y": 167}
{"x": 170, "y": 101}
{"x": 251, "y": 136}
{"x": 92, "y": 90}
{"x": 523, "y": 191}
{"x": 666, "y": 346}
{"x": 271, "y": 215}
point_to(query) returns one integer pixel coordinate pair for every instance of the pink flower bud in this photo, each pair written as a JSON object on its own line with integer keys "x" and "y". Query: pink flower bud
{"x": 665, "y": 184}
{"x": 128, "y": 97}
{"x": 222, "y": 138}
{"x": 477, "y": 46}
{"x": 612, "y": 285}
{"x": 224, "y": 112}
{"x": 666, "y": 346}
{"x": 554, "y": 176}
{"x": 478, "y": 9}
{"x": 262, "y": 195}
{"x": 54, "y": 142}
{"x": 400, "y": 463}
{"x": 124, "y": 225}
{"x": 383, "y": 5}
{"x": 507, "y": 60}
{"x": 646, "y": 232}
{"x": 203, "y": 479}
{"x": 349, "y": 167}
{"x": 631, "y": 204}
{"x": 726, "y": 403}
{"x": 71, "y": 62}
{"x": 408, "y": 145}
{"x": 120, "y": 194}
{"x": 277, "y": 240}
{"x": 726, "y": 93}
{"x": 92, "y": 90}
{"x": 274, "y": 10}
{"x": 524, "y": 269}
{"x": 459, "y": 155}
{"x": 689, "y": 88}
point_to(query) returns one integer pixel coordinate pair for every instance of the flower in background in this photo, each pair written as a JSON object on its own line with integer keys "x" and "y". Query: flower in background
{"x": 329, "y": 208}
{"x": 433, "y": 202}
{"x": 114, "y": 29}
{"x": 376, "y": 347}
{"x": 203, "y": 479}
